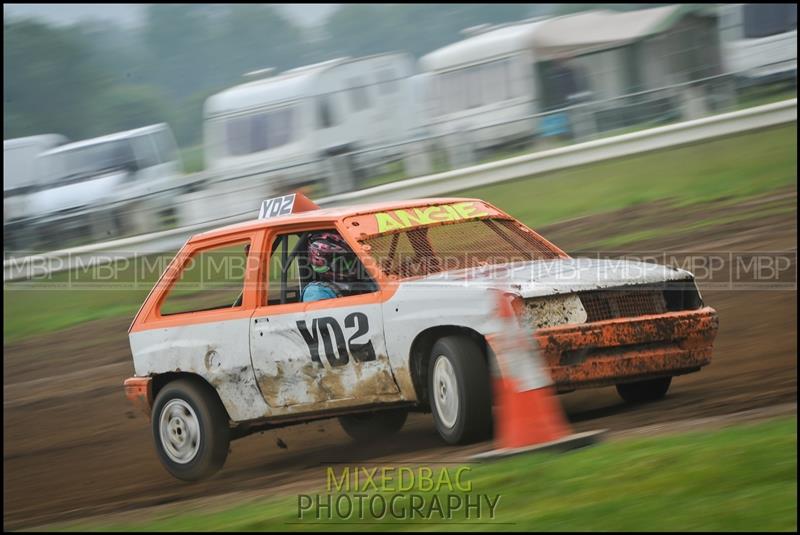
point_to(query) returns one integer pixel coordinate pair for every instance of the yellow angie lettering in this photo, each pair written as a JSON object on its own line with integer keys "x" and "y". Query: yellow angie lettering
{"x": 400, "y": 219}
{"x": 387, "y": 222}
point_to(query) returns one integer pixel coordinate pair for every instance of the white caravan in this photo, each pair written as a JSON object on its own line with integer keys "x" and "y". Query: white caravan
{"x": 484, "y": 80}
{"x": 488, "y": 86}
{"x": 129, "y": 178}
{"x": 759, "y": 41}
{"x": 292, "y": 121}
{"x": 19, "y": 172}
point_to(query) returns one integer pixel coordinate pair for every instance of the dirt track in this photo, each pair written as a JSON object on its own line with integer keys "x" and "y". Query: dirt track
{"x": 73, "y": 447}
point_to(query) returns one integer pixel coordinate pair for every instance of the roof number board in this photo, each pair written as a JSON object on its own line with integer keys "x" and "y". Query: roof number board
{"x": 277, "y": 206}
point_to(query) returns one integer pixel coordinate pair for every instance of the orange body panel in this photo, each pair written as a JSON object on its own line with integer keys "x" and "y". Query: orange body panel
{"x": 612, "y": 351}
{"x": 139, "y": 391}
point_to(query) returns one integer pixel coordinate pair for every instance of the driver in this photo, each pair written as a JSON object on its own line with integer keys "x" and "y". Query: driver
{"x": 334, "y": 267}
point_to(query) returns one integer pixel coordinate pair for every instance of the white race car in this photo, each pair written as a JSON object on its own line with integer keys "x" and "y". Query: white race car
{"x": 224, "y": 345}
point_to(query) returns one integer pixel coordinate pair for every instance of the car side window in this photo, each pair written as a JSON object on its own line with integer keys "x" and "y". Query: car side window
{"x": 291, "y": 271}
{"x": 146, "y": 153}
{"x": 165, "y": 145}
{"x": 211, "y": 279}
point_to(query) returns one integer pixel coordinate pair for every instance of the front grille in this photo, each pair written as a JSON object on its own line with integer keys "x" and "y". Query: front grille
{"x": 623, "y": 303}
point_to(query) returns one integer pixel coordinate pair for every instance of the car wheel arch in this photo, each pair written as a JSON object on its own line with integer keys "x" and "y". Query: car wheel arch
{"x": 420, "y": 353}
{"x": 163, "y": 379}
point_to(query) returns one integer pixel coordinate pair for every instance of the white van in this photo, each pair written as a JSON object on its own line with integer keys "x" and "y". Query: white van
{"x": 759, "y": 41}
{"x": 291, "y": 122}
{"x": 127, "y": 179}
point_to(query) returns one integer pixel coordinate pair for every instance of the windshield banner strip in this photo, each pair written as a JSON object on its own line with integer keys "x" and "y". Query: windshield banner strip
{"x": 402, "y": 219}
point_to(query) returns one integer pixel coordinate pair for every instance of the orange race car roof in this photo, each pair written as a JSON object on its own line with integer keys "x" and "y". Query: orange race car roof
{"x": 389, "y": 223}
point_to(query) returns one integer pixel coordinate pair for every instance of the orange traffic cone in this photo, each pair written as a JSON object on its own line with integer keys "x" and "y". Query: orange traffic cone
{"x": 528, "y": 416}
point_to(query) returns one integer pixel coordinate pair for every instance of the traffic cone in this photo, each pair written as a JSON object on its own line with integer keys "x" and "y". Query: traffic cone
{"x": 528, "y": 416}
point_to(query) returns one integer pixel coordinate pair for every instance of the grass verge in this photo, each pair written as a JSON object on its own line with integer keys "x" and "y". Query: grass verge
{"x": 730, "y": 168}
{"x": 742, "y": 478}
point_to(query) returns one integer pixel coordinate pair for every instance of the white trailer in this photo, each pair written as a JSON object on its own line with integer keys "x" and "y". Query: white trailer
{"x": 289, "y": 124}
{"x": 759, "y": 41}
{"x": 19, "y": 171}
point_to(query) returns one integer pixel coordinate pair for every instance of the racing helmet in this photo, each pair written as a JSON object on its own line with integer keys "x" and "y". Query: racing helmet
{"x": 331, "y": 259}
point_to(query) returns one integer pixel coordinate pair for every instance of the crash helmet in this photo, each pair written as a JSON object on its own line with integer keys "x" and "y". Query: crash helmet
{"x": 331, "y": 259}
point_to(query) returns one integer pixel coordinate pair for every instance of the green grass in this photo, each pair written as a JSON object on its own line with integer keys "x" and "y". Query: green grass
{"x": 737, "y": 479}
{"x": 734, "y": 167}
{"x": 70, "y": 298}
{"x": 731, "y": 168}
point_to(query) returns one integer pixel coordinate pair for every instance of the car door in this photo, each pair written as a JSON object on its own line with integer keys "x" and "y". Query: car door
{"x": 318, "y": 355}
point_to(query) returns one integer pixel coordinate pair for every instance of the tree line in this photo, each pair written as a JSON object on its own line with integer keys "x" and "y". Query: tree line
{"x": 93, "y": 78}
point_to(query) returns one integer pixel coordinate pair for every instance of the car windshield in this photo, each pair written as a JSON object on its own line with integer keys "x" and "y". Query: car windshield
{"x": 426, "y": 250}
{"x": 85, "y": 161}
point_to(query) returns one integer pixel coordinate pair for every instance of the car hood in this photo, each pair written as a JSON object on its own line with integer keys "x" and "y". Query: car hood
{"x": 560, "y": 276}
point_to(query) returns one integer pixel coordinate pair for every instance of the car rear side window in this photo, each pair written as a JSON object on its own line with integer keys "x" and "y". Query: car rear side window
{"x": 211, "y": 279}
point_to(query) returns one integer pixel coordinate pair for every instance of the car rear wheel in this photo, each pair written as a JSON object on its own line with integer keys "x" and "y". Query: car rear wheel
{"x": 370, "y": 426}
{"x": 460, "y": 390}
{"x": 190, "y": 428}
{"x": 644, "y": 391}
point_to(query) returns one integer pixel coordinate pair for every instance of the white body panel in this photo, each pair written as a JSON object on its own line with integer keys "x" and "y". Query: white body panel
{"x": 276, "y": 364}
{"x": 419, "y": 306}
{"x": 218, "y": 352}
{"x": 325, "y": 358}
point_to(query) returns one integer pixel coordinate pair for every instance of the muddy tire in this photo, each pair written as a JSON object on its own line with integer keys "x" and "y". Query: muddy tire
{"x": 644, "y": 391}
{"x": 190, "y": 429}
{"x": 460, "y": 390}
{"x": 371, "y": 426}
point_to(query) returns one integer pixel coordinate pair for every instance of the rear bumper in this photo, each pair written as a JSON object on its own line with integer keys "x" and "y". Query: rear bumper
{"x": 139, "y": 391}
{"x": 627, "y": 349}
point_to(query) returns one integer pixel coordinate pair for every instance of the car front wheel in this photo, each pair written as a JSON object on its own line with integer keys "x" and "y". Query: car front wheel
{"x": 190, "y": 428}
{"x": 460, "y": 390}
